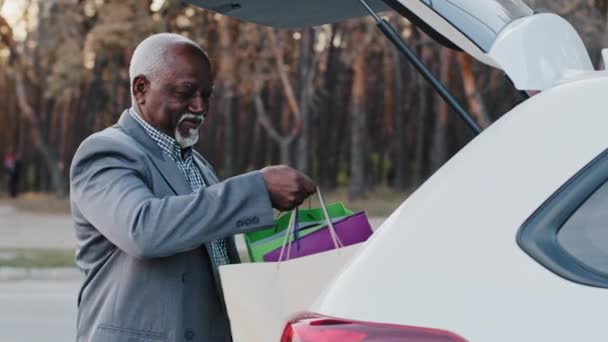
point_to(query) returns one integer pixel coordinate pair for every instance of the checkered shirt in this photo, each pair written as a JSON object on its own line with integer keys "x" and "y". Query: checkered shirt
{"x": 187, "y": 166}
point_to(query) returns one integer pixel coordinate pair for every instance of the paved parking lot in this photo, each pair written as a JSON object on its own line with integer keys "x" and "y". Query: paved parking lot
{"x": 38, "y": 311}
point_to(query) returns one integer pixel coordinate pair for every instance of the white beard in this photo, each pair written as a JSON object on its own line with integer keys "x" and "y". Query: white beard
{"x": 192, "y": 138}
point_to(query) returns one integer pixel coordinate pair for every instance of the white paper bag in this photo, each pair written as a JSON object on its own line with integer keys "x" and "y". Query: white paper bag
{"x": 262, "y": 297}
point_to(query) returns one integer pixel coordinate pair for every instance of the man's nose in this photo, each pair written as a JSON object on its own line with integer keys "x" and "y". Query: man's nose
{"x": 198, "y": 104}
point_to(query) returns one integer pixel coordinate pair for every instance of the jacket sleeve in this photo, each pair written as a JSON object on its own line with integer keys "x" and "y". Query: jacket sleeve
{"x": 107, "y": 186}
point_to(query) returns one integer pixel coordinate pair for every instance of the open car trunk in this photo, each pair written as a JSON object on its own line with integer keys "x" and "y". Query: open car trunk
{"x": 536, "y": 51}
{"x": 289, "y": 13}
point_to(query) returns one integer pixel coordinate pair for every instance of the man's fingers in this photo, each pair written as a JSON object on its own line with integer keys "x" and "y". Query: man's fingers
{"x": 288, "y": 187}
{"x": 312, "y": 189}
{"x": 308, "y": 185}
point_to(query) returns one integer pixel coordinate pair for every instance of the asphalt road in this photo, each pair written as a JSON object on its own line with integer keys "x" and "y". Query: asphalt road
{"x": 38, "y": 311}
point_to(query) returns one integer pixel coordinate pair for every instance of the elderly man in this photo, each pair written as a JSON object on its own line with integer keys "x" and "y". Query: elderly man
{"x": 153, "y": 223}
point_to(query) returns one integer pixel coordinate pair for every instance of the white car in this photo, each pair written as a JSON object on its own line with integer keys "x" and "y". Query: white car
{"x": 509, "y": 240}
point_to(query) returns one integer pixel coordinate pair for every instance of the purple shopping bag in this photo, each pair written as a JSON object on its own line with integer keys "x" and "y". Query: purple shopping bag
{"x": 349, "y": 230}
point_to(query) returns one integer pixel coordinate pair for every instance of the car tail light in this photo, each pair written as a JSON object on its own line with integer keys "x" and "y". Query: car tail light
{"x": 314, "y": 328}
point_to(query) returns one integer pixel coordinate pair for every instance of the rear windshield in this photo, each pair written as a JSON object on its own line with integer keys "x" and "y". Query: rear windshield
{"x": 480, "y": 21}
{"x": 585, "y": 234}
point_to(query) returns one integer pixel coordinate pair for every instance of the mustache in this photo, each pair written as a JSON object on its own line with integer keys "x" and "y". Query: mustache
{"x": 200, "y": 118}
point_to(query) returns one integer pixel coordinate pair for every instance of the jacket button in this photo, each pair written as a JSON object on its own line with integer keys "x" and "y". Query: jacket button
{"x": 189, "y": 335}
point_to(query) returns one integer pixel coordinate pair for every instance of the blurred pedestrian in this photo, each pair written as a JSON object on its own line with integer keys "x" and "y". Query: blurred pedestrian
{"x": 11, "y": 166}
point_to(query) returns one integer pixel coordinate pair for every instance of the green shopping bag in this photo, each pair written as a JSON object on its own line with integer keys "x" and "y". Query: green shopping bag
{"x": 310, "y": 220}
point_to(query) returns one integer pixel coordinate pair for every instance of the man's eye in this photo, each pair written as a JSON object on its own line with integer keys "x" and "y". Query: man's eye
{"x": 183, "y": 93}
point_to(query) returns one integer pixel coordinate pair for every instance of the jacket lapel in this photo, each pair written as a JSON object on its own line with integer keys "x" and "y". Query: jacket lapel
{"x": 166, "y": 167}
{"x": 172, "y": 175}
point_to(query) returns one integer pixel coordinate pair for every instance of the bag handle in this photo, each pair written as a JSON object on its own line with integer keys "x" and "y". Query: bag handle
{"x": 293, "y": 222}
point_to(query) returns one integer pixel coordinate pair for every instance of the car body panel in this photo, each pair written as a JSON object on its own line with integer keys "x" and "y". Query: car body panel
{"x": 447, "y": 258}
{"x": 540, "y": 51}
{"x": 535, "y": 50}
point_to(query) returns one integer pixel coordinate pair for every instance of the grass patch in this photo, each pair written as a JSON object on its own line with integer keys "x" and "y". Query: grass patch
{"x": 39, "y": 203}
{"x": 36, "y": 258}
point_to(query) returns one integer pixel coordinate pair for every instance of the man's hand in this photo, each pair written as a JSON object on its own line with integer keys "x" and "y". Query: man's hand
{"x": 288, "y": 188}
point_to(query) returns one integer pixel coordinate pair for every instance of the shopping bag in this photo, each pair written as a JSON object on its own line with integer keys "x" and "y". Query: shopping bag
{"x": 262, "y": 297}
{"x": 350, "y": 230}
{"x": 260, "y": 242}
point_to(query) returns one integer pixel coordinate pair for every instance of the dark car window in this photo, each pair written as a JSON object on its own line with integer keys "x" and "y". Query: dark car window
{"x": 585, "y": 233}
{"x": 568, "y": 234}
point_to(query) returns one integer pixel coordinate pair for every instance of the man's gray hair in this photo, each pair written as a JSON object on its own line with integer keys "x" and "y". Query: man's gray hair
{"x": 149, "y": 56}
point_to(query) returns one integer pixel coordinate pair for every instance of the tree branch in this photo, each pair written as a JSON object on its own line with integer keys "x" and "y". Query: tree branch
{"x": 265, "y": 121}
{"x": 289, "y": 93}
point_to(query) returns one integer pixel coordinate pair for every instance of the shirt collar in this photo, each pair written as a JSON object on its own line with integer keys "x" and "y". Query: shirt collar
{"x": 166, "y": 143}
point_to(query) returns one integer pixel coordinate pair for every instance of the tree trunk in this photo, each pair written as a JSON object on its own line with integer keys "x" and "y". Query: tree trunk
{"x": 422, "y": 116}
{"x": 287, "y": 88}
{"x": 285, "y": 153}
{"x": 65, "y": 136}
{"x": 358, "y": 186}
{"x": 328, "y": 151}
{"x": 226, "y": 73}
{"x": 440, "y": 148}
{"x": 228, "y": 115}
{"x": 474, "y": 99}
{"x": 284, "y": 141}
{"x": 247, "y": 144}
{"x": 401, "y": 150}
{"x": 423, "y": 107}
{"x": 48, "y": 157}
{"x": 259, "y": 147}
{"x": 306, "y": 76}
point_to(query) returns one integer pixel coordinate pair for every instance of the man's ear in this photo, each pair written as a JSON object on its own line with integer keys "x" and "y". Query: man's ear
{"x": 140, "y": 88}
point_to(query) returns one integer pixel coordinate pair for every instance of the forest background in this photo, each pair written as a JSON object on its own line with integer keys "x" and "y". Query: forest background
{"x": 336, "y": 101}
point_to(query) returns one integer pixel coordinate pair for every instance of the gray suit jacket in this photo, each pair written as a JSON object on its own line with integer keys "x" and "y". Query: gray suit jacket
{"x": 143, "y": 239}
